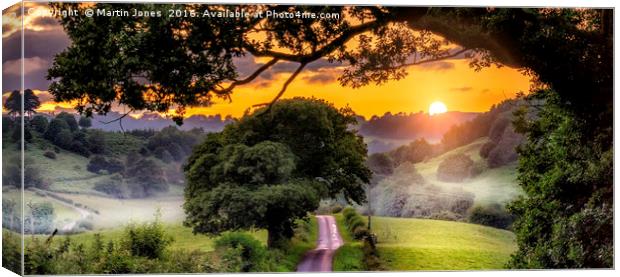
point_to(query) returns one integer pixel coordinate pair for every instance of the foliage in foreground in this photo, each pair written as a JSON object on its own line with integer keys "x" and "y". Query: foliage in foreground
{"x": 566, "y": 218}
{"x": 145, "y": 248}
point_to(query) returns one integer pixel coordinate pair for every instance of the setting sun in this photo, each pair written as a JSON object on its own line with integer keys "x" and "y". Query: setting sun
{"x": 437, "y": 108}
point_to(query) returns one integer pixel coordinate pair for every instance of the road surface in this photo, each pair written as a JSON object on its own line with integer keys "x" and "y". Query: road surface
{"x": 320, "y": 258}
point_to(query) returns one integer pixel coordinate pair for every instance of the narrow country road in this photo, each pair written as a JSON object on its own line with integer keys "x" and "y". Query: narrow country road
{"x": 320, "y": 258}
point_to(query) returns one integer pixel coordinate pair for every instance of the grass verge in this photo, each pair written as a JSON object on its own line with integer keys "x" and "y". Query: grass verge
{"x": 350, "y": 256}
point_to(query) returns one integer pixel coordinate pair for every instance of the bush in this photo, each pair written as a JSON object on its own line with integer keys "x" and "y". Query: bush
{"x": 505, "y": 150}
{"x": 147, "y": 240}
{"x": 241, "y": 252}
{"x": 486, "y": 148}
{"x": 493, "y": 215}
{"x": 99, "y": 163}
{"x": 348, "y": 212}
{"x": 355, "y": 222}
{"x": 50, "y": 154}
{"x": 11, "y": 251}
{"x": 113, "y": 187}
{"x": 455, "y": 168}
{"x": 39, "y": 123}
{"x": 360, "y": 233}
{"x": 336, "y": 208}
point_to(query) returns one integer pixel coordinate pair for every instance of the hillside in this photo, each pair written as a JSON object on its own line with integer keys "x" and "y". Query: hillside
{"x": 424, "y": 244}
{"x": 497, "y": 185}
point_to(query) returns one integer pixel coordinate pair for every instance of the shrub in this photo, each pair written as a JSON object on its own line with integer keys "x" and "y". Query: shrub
{"x": 99, "y": 163}
{"x": 486, "y": 148}
{"x": 50, "y": 154}
{"x": 112, "y": 187}
{"x": 360, "y": 233}
{"x": 146, "y": 240}
{"x": 348, "y": 212}
{"x": 505, "y": 151}
{"x": 380, "y": 163}
{"x": 493, "y": 215}
{"x": 249, "y": 251}
{"x": 11, "y": 251}
{"x": 336, "y": 208}
{"x": 39, "y": 123}
{"x": 355, "y": 222}
{"x": 455, "y": 168}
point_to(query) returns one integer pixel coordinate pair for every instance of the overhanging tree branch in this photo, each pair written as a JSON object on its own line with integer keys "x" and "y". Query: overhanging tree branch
{"x": 247, "y": 79}
{"x": 284, "y": 86}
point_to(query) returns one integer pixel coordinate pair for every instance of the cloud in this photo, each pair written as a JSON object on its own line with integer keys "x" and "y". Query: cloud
{"x": 44, "y": 96}
{"x": 438, "y": 66}
{"x": 40, "y": 47}
{"x": 321, "y": 78}
{"x": 461, "y": 89}
{"x": 44, "y": 44}
{"x": 34, "y": 64}
{"x": 45, "y": 22}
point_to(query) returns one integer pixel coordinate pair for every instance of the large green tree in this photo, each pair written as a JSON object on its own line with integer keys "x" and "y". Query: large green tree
{"x": 568, "y": 51}
{"x": 270, "y": 169}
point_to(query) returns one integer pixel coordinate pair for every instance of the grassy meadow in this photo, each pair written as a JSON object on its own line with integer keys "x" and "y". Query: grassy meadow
{"x": 425, "y": 244}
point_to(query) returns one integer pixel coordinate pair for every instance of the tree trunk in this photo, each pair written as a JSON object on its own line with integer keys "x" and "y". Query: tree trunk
{"x": 274, "y": 237}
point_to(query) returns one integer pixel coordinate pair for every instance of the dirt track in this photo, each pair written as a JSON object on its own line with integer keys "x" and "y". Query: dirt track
{"x": 320, "y": 258}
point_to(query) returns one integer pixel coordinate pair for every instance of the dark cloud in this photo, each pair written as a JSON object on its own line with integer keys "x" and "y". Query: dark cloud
{"x": 39, "y": 50}
{"x": 33, "y": 79}
{"x": 485, "y": 90}
{"x": 7, "y": 28}
{"x": 263, "y": 85}
{"x": 44, "y": 44}
{"x": 461, "y": 89}
{"x": 321, "y": 78}
{"x": 438, "y": 66}
{"x": 44, "y": 96}
{"x": 45, "y": 21}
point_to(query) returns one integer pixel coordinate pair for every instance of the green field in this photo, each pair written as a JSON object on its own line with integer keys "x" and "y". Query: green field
{"x": 492, "y": 185}
{"x": 424, "y": 244}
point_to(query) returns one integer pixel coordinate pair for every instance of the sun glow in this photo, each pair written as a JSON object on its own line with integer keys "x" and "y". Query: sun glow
{"x": 437, "y": 108}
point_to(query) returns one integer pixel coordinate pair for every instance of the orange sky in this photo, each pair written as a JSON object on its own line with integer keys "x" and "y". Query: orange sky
{"x": 452, "y": 82}
{"x": 460, "y": 88}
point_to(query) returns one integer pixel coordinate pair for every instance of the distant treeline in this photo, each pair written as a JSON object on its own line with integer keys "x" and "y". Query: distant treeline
{"x": 412, "y": 125}
{"x": 496, "y": 124}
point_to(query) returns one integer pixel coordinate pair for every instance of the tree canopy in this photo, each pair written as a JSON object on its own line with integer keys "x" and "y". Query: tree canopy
{"x": 268, "y": 170}
{"x": 13, "y": 102}
{"x": 193, "y": 60}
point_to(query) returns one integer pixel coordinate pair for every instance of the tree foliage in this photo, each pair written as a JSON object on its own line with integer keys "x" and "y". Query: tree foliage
{"x": 566, "y": 219}
{"x": 13, "y": 102}
{"x": 269, "y": 169}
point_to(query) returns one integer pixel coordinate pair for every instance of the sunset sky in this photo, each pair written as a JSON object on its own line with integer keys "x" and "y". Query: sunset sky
{"x": 452, "y": 82}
